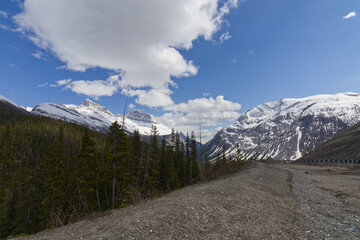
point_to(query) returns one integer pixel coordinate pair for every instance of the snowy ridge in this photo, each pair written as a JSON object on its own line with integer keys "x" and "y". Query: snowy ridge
{"x": 5, "y": 100}
{"x": 98, "y": 117}
{"x": 9, "y": 106}
{"x": 288, "y": 128}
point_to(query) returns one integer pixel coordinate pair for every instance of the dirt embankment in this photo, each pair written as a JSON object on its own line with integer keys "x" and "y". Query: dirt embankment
{"x": 263, "y": 201}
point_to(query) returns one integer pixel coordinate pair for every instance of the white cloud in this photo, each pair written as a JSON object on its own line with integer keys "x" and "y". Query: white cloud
{"x": 151, "y": 98}
{"x": 132, "y": 106}
{"x": 251, "y": 52}
{"x": 19, "y": 3}
{"x": 350, "y": 15}
{"x": 4, "y": 27}
{"x": 204, "y": 105}
{"x": 60, "y": 83}
{"x": 206, "y": 94}
{"x": 3, "y": 14}
{"x": 43, "y": 85}
{"x": 93, "y": 89}
{"x": 224, "y": 37}
{"x": 211, "y": 112}
{"x": 39, "y": 55}
{"x": 234, "y": 60}
{"x": 139, "y": 38}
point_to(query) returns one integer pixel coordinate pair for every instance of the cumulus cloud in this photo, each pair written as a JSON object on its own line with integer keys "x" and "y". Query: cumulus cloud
{"x": 151, "y": 98}
{"x": 94, "y": 89}
{"x": 209, "y": 111}
{"x": 139, "y": 38}
{"x": 350, "y": 15}
{"x": 132, "y": 106}
{"x": 205, "y": 105}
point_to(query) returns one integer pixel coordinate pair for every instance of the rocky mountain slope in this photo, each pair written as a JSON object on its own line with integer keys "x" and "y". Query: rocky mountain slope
{"x": 344, "y": 146}
{"x": 98, "y": 117}
{"x": 8, "y": 106}
{"x": 288, "y": 128}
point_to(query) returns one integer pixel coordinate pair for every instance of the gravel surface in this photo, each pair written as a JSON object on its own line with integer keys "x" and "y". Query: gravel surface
{"x": 263, "y": 201}
{"x": 330, "y": 200}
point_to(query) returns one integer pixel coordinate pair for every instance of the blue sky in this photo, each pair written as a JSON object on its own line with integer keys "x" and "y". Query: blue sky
{"x": 275, "y": 49}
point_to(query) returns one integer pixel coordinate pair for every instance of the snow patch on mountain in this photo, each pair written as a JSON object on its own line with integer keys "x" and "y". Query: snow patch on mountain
{"x": 99, "y": 118}
{"x": 288, "y": 128}
{"x": 4, "y": 99}
{"x": 298, "y": 153}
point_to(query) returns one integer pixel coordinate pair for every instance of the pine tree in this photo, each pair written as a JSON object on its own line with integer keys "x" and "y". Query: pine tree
{"x": 118, "y": 156}
{"x": 188, "y": 163}
{"x": 195, "y": 171}
{"x": 9, "y": 188}
{"x": 151, "y": 176}
{"x": 137, "y": 150}
{"x": 87, "y": 175}
{"x": 55, "y": 202}
{"x": 163, "y": 174}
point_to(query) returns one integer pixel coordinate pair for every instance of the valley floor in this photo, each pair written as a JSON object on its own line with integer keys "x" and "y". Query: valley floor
{"x": 263, "y": 201}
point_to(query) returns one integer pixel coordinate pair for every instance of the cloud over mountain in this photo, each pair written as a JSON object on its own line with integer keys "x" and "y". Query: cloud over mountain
{"x": 139, "y": 39}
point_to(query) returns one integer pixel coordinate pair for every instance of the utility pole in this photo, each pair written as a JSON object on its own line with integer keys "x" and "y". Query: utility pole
{"x": 123, "y": 117}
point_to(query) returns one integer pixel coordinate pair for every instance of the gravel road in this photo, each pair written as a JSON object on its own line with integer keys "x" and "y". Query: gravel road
{"x": 263, "y": 201}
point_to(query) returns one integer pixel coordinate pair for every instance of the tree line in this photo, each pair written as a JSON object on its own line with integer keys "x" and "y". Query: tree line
{"x": 53, "y": 173}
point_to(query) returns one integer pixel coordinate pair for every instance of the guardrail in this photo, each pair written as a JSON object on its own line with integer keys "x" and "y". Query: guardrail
{"x": 330, "y": 162}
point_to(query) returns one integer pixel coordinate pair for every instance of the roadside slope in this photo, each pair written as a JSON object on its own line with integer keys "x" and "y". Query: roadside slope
{"x": 253, "y": 203}
{"x": 263, "y": 201}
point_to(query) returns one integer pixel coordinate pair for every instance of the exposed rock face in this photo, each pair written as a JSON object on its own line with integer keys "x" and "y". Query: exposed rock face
{"x": 289, "y": 128}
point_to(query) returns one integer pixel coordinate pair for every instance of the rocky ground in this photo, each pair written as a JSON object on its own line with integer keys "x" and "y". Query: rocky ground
{"x": 263, "y": 201}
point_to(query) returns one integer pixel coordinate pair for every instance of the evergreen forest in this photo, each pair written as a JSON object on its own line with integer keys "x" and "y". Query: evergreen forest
{"x": 53, "y": 173}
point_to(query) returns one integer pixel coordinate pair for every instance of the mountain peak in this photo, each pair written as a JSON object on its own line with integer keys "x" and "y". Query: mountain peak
{"x": 88, "y": 102}
{"x": 290, "y": 127}
{"x": 138, "y": 116}
{"x": 4, "y": 99}
{"x": 95, "y": 106}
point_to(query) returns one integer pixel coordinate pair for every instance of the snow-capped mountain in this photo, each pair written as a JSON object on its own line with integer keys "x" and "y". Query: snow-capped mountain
{"x": 98, "y": 117}
{"x": 8, "y": 106}
{"x": 287, "y": 129}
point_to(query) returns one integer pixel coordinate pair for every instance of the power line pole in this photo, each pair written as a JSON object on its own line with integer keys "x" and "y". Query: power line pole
{"x": 123, "y": 117}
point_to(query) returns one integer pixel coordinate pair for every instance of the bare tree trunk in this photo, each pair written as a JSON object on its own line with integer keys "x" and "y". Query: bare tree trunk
{"x": 106, "y": 196}
{"x": 113, "y": 188}
{"x": 146, "y": 169}
{"x": 98, "y": 199}
{"x": 190, "y": 174}
{"x": 140, "y": 163}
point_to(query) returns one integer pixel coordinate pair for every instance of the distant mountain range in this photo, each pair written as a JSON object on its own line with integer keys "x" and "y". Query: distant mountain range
{"x": 99, "y": 118}
{"x": 89, "y": 114}
{"x": 288, "y": 128}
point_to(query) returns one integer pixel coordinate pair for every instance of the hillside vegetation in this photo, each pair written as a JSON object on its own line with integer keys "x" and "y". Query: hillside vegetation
{"x": 53, "y": 173}
{"x": 344, "y": 146}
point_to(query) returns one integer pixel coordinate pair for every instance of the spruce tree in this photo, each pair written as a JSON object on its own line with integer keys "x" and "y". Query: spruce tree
{"x": 195, "y": 171}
